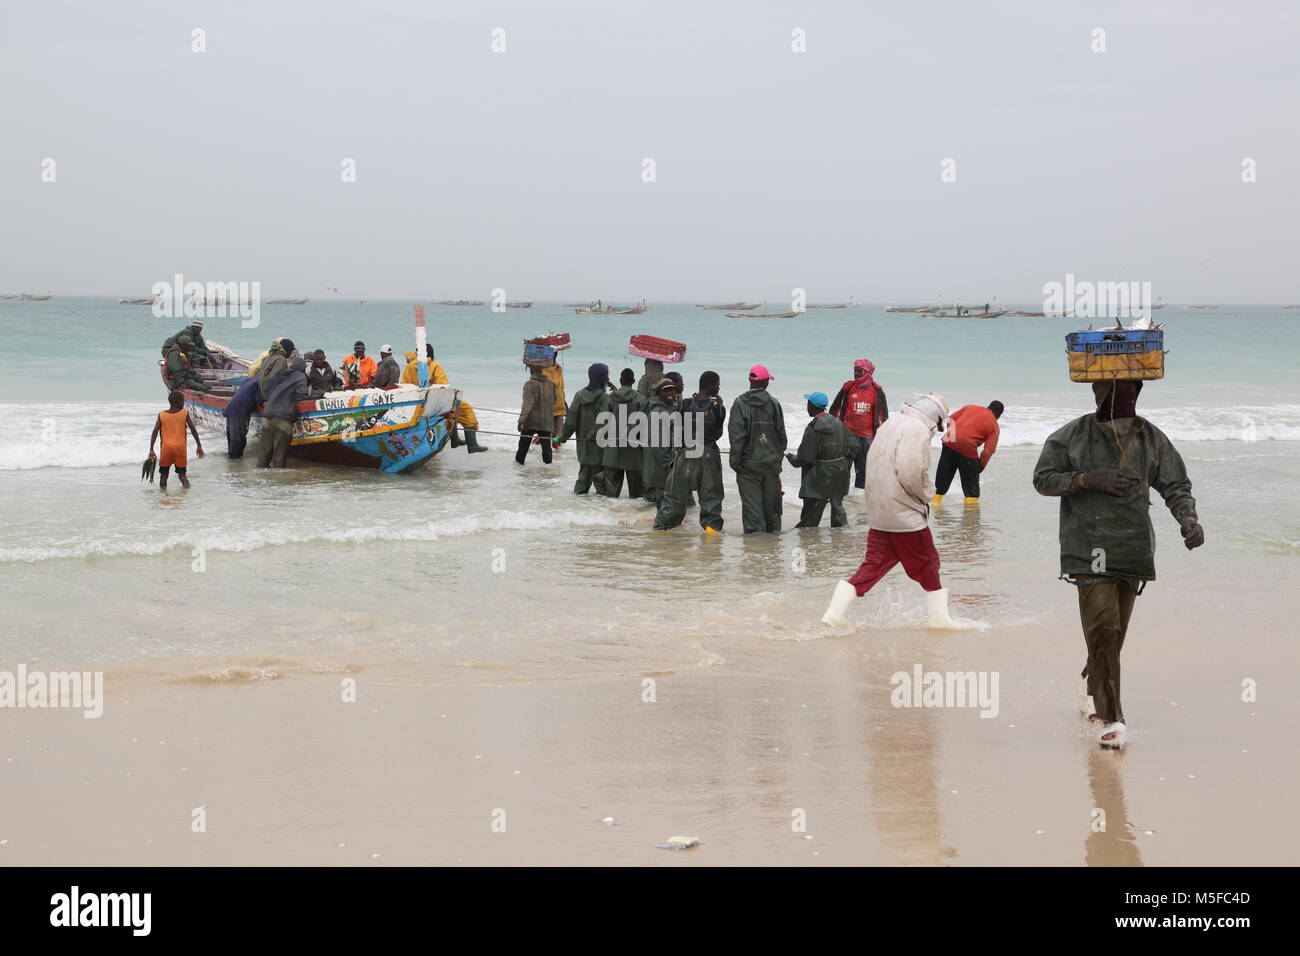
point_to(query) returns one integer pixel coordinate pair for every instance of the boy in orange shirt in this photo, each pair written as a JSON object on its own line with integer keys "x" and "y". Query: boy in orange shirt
{"x": 171, "y": 425}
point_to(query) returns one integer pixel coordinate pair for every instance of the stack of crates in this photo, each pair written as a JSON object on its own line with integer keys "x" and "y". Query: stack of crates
{"x": 1108, "y": 355}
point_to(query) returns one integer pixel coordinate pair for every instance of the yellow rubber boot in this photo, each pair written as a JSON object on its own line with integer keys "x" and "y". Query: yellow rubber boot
{"x": 971, "y": 501}
{"x": 936, "y": 501}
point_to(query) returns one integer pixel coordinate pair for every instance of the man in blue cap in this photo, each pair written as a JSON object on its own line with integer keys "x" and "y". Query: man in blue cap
{"x": 826, "y": 457}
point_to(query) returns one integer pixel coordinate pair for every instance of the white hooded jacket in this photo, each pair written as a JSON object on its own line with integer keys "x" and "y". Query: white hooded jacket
{"x": 898, "y": 482}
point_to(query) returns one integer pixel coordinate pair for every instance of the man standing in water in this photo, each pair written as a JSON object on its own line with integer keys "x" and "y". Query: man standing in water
{"x": 622, "y": 458}
{"x": 861, "y": 406}
{"x": 898, "y": 507}
{"x": 583, "y": 422}
{"x": 825, "y": 455}
{"x": 702, "y": 474}
{"x": 757, "y": 436}
{"x": 1102, "y": 466}
{"x": 535, "y": 414}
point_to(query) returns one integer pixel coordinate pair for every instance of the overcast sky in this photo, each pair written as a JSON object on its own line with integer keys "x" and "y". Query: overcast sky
{"x": 774, "y": 169}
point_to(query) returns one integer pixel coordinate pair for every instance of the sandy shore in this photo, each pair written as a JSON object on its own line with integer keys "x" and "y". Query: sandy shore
{"x": 415, "y": 772}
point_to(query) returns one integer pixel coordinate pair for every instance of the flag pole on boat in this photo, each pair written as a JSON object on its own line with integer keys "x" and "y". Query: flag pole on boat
{"x": 420, "y": 339}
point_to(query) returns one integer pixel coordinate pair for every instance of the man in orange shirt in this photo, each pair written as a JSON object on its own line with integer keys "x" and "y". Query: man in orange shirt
{"x": 974, "y": 426}
{"x": 359, "y": 368}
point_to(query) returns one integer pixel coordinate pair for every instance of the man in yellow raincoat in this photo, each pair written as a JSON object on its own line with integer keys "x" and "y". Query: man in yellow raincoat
{"x": 556, "y": 374}
{"x": 438, "y": 376}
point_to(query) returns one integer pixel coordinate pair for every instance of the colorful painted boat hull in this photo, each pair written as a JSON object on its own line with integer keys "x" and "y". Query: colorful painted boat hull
{"x": 396, "y": 430}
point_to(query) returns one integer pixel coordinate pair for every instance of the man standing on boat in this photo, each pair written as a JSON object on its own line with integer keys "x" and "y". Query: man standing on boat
{"x": 758, "y": 442}
{"x": 1102, "y": 466}
{"x": 862, "y": 407}
{"x": 387, "y": 373}
{"x": 973, "y": 426}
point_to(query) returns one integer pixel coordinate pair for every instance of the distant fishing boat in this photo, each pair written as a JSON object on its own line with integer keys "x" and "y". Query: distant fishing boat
{"x": 148, "y": 301}
{"x": 460, "y": 302}
{"x": 614, "y": 310}
{"x": 761, "y": 315}
{"x": 14, "y": 295}
{"x": 828, "y": 305}
{"x": 519, "y": 305}
{"x": 731, "y": 306}
{"x": 394, "y": 430}
{"x": 1202, "y": 307}
{"x": 29, "y": 297}
{"x": 964, "y": 315}
{"x": 286, "y": 301}
{"x": 910, "y": 308}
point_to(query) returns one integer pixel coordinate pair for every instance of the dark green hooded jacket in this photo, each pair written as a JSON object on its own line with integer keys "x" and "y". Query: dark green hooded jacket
{"x": 1100, "y": 533}
{"x": 624, "y": 456}
{"x": 757, "y": 433}
{"x": 581, "y": 421}
{"x": 654, "y": 467}
{"x": 826, "y": 456}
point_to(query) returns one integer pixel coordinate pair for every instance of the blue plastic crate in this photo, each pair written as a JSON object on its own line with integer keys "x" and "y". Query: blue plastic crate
{"x": 539, "y": 355}
{"x": 1116, "y": 341}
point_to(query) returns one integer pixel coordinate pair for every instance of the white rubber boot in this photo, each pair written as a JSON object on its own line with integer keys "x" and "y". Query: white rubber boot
{"x": 1086, "y": 708}
{"x": 1116, "y": 742}
{"x": 936, "y": 604}
{"x": 840, "y": 601}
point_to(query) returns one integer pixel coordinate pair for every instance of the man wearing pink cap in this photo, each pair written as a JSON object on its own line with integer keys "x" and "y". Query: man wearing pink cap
{"x": 757, "y": 434}
{"x": 861, "y": 406}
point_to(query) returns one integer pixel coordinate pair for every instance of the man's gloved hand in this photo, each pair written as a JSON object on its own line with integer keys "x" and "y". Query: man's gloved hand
{"x": 1193, "y": 533}
{"x": 1109, "y": 480}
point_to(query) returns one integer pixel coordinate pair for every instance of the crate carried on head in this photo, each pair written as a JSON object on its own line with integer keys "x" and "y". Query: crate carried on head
{"x": 539, "y": 356}
{"x": 556, "y": 340}
{"x": 1107, "y": 355}
{"x": 664, "y": 350}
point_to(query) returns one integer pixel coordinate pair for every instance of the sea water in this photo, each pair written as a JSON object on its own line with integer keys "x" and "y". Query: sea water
{"x": 476, "y": 569}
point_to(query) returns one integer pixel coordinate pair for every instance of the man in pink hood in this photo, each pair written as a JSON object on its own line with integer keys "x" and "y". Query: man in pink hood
{"x": 861, "y": 406}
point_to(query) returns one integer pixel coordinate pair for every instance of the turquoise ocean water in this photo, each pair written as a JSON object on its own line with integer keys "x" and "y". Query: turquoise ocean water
{"x": 475, "y": 563}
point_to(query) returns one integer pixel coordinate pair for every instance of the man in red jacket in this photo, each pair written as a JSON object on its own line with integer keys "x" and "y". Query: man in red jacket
{"x": 974, "y": 427}
{"x": 861, "y": 406}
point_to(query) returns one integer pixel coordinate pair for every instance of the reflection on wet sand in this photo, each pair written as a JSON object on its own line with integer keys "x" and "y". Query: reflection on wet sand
{"x": 904, "y": 756}
{"x": 1117, "y": 844}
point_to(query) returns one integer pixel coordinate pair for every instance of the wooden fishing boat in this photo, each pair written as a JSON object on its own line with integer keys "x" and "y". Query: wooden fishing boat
{"x": 460, "y": 302}
{"x": 910, "y": 308}
{"x": 612, "y": 310}
{"x": 731, "y": 306}
{"x": 1202, "y": 307}
{"x": 1028, "y": 315}
{"x": 148, "y": 301}
{"x": 396, "y": 430}
{"x": 286, "y": 301}
{"x": 519, "y": 305}
{"x": 28, "y": 297}
{"x": 830, "y": 305}
{"x": 761, "y": 315}
{"x": 964, "y": 315}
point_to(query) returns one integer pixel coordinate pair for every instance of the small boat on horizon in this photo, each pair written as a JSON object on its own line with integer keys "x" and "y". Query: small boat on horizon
{"x": 741, "y": 306}
{"x": 460, "y": 302}
{"x": 141, "y": 301}
{"x": 761, "y": 315}
{"x": 286, "y": 301}
{"x": 29, "y": 297}
{"x": 910, "y": 308}
{"x": 963, "y": 315}
{"x": 519, "y": 305}
{"x": 1202, "y": 306}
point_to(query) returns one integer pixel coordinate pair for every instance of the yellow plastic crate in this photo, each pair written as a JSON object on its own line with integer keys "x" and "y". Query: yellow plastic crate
{"x": 1131, "y": 366}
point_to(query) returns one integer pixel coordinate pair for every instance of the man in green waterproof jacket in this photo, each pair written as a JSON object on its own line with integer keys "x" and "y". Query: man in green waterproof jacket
{"x": 826, "y": 455}
{"x": 656, "y": 455}
{"x": 198, "y": 348}
{"x": 1103, "y": 466}
{"x": 757, "y": 435}
{"x": 582, "y": 422}
{"x": 697, "y": 466}
{"x": 177, "y": 369}
{"x": 620, "y": 458}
